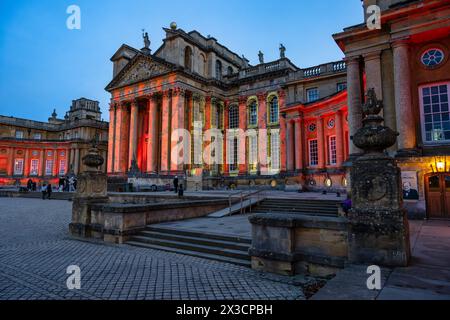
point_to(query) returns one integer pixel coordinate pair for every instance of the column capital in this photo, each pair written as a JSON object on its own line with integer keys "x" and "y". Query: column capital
{"x": 352, "y": 60}
{"x": 243, "y": 99}
{"x": 178, "y": 92}
{"x": 374, "y": 55}
{"x": 166, "y": 93}
{"x": 403, "y": 42}
{"x": 262, "y": 96}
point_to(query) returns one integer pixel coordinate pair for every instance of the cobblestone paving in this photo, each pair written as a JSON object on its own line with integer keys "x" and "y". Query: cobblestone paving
{"x": 35, "y": 251}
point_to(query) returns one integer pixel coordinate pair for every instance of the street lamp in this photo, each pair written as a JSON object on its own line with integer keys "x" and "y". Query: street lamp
{"x": 440, "y": 164}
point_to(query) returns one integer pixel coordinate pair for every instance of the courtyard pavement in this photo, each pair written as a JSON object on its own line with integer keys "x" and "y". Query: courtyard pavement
{"x": 35, "y": 251}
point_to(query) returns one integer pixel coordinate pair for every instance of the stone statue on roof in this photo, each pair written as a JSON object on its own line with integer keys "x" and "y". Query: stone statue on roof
{"x": 146, "y": 39}
{"x": 282, "y": 51}
{"x": 261, "y": 57}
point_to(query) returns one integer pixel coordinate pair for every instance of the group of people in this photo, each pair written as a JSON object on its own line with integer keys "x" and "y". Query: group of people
{"x": 65, "y": 184}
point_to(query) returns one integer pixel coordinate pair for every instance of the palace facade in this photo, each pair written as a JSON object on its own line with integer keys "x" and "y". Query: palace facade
{"x": 406, "y": 61}
{"x": 45, "y": 151}
{"x": 278, "y": 125}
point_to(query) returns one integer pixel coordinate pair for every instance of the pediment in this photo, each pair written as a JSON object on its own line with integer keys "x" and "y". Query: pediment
{"x": 141, "y": 68}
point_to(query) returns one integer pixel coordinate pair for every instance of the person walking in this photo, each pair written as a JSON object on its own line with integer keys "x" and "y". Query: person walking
{"x": 175, "y": 184}
{"x": 29, "y": 185}
{"x": 49, "y": 191}
{"x": 44, "y": 191}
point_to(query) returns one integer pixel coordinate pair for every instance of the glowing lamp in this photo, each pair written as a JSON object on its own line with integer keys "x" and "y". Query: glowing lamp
{"x": 440, "y": 166}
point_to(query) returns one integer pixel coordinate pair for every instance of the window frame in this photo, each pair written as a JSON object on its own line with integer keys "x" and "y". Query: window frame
{"x": 310, "y": 153}
{"x": 234, "y": 118}
{"x": 316, "y": 89}
{"x": 332, "y": 156}
{"x": 252, "y": 102}
{"x": 18, "y": 161}
{"x": 422, "y": 112}
{"x": 19, "y": 134}
{"x": 35, "y": 172}
{"x": 270, "y": 99}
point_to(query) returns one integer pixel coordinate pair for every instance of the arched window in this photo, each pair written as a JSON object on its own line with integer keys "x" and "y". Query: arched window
{"x": 229, "y": 71}
{"x": 273, "y": 110}
{"x": 233, "y": 117}
{"x": 188, "y": 58}
{"x": 202, "y": 64}
{"x": 252, "y": 113}
{"x": 218, "y": 69}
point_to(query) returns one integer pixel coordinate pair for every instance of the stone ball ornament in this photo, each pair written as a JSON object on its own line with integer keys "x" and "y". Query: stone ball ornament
{"x": 173, "y": 25}
{"x": 93, "y": 160}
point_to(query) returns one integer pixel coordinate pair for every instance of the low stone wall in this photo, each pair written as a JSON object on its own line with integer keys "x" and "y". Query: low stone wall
{"x": 292, "y": 244}
{"x": 116, "y": 222}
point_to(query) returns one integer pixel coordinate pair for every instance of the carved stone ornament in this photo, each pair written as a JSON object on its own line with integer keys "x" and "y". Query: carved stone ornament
{"x": 142, "y": 70}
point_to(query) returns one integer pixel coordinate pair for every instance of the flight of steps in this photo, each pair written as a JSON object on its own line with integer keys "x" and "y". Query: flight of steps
{"x": 302, "y": 206}
{"x": 198, "y": 244}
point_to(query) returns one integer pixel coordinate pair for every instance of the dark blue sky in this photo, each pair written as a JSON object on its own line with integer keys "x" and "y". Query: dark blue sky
{"x": 44, "y": 65}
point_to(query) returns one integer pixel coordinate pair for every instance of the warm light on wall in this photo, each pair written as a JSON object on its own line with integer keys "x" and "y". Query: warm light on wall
{"x": 440, "y": 164}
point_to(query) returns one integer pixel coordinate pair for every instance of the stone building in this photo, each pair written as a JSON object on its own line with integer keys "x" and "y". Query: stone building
{"x": 44, "y": 151}
{"x": 406, "y": 62}
{"x": 274, "y": 124}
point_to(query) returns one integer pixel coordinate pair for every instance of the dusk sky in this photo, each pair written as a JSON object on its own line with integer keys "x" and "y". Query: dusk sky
{"x": 44, "y": 65}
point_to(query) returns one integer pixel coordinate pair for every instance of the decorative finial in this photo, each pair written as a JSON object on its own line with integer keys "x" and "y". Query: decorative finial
{"x": 282, "y": 51}
{"x": 54, "y": 115}
{"x": 173, "y": 26}
{"x": 372, "y": 106}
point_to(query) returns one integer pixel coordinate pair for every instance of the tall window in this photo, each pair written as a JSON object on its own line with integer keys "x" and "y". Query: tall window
{"x": 332, "y": 155}
{"x": 62, "y": 167}
{"x": 312, "y": 95}
{"x": 18, "y": 167}
{"x": 217, "y": 115}
{"x": 233, "y": 117}
{"x": 188, "y": 58}
{"x": 48, "y": 167}
{"x": 19, "y": 134}
{"x": 434, "y": 100}
{"x": 34, "y": 168}
{"x": 253, "y": 153}
{"x": 313, "y": 153}
{"x": 253, "y": 114}
{"x": 274, "y": 150}
{"x": 273, "y": 110}
{"x": 233, "y": 153}
{"x": 218, "y": 69}
{"x": 229, "y": 71}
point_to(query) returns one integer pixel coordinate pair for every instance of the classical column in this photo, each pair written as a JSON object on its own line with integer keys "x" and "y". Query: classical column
{"x": 42, "y": 163}
{"x": 354, "y": 100}
{"x": 298, "y": 144}
{"x": 226, "y": 124}
{"x": 290, "y": 145}
{"x": 281, "y": 105}
{"x": 320, "y": 143}
{"x": 373, "y": 72}
{"x": 111, "y": 137}
{"x": 178, "y": 112}
{"x": 77, "y": 161}
{"x": 122, "y": 136}
{"x": 242, "y": 137}
{"x": 340, "y": 147}
{"x": 55, "y": 162}
{"x": 26, "y": 164}
{"x": 208, "y": 111}
{"x": 263, "y": 137}
{"x": 132, "y": 154}
{"x": 152, "y": 142}
{"x": 11, "y": 162}
{"x": 165, "y": 143}
{"x": 403, "y": 101}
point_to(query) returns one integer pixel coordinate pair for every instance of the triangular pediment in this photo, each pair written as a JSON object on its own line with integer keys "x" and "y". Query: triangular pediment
{"x": 139, "y": 69}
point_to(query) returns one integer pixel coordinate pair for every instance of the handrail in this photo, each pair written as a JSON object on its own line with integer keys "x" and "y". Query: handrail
{"x": 242, "y": 198}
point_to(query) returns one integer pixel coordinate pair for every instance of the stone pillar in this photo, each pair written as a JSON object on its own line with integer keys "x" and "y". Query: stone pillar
{"x": 282, "y": 117}
{"x": 290, "y": 146}
{"x": 76, "y": 165}
{"x": 226, "y": 124}
{"x": 354, "y": 100}
{"x": 340, "y": 146}
{"x": 320, "y": 143}
{"x": 165, "y": 143}
{"x": 111, "y": 137}
{"x": 153, "y": 138}
{"x": 263, "y": 138}
{"x": 42, "y": 163}
{"x": 26, "y": 163}
{"x": 55, "y": 162}
{"x": 403, "y": 102}
{"x": 373, "y": 72}
{"x": 298, "y": 145}
{"x": 242, "y": 138}
{"x": 132, "y": 154}
{"x": 178, "y": 112}
{"x": 208, "y": 111}
{"x": 122, "y": 136}
{"x": 11, "y": 159}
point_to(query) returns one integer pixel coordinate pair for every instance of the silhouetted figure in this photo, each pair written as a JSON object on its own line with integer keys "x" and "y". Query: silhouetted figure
{"x": 180, "y": 190}
{"x": 44, "y": 191}
{"x": 175, "y": 184}
{"x": 49, "y": 191}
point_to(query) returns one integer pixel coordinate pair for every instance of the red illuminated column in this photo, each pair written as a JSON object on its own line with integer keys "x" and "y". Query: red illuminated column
{"x": 26, "y": 170}
{"x": 111, "y": 137}
{"x": 152, "y": 147}
{"x": 55, "y": 162}
{"x": 12, "y": 151}
{"x": 320, "y": 143}
{"x": 298, "y": 145}
{"x": 41, "y": 163}
{"x": 132, "y": 154}
{"x": 165, "y": 143}
{"x": 283, "y": 150}
{"x": 208, "y": 110}
{"x": 178, "y": 113}
{"x": 242, "y": 137}
{"x": 263, "y": 138}
{"x": 226, "y": 124}
{"x": 122, "y": 142}
{"x": 290, "y": 146}
{"x": 340, "y": 147}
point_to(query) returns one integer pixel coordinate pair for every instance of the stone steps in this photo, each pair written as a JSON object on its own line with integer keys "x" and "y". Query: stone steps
{"x": 312, "y": 207}
{"x": 217, "y": 247}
